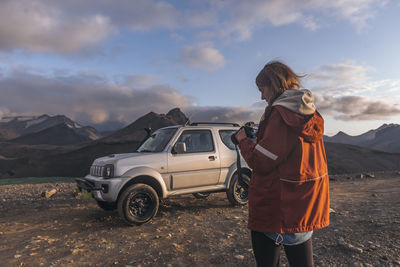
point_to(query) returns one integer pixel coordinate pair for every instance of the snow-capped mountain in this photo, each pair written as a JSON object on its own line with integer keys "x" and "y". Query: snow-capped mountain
{"x": 15, "y": 128}
{"x": 385, "y": 138}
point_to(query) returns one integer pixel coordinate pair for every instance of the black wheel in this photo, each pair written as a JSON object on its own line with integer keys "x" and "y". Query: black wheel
{"x": 107, "y": 205}
{"x": 237, "y": 195}
{"x": 138, "y": 204}
{"x": 201, "y": 195}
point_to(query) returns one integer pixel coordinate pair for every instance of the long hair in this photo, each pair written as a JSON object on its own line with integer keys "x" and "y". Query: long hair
{"x": 278, "y": 77}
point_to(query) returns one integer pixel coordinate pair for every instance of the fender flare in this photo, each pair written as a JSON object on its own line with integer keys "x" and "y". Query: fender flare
{"x": 233, "y": 170}
{"x": 145, "y": 175}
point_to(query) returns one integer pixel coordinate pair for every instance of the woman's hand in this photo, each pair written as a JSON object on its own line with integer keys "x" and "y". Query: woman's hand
{"x": 241, "y": 135}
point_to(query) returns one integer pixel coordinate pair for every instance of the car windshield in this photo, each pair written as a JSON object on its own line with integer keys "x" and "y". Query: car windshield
{"x": 158, "y": 140}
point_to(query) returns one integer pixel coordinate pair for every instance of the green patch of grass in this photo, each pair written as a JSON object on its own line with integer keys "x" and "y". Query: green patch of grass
{"x": 36, "y": 180}
{"x": 82, "y": 194}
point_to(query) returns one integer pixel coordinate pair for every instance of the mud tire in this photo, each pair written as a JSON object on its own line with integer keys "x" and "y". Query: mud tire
{"x": 138, "y": 204}
{"x": 237, "y": 195}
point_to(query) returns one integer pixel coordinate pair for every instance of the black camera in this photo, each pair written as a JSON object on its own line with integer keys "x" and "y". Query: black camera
{"x": 250, "y": 129}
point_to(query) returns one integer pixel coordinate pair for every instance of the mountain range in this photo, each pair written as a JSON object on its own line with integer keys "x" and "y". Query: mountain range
{"x": 57, "y": 146}
{"x": 385, "y": 138}
{"x": 45, "y": 129}
{"x": 20, "y": 158}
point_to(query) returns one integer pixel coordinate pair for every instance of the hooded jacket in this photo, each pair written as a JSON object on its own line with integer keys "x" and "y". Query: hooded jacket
{"x": 289, "y": 187}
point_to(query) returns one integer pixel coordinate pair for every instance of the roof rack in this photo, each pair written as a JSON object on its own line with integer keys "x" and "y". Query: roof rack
{"x": 214, "y": 123}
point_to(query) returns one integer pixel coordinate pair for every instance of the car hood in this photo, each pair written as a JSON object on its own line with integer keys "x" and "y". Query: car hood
{"x": 111, "y": 159}
{"x": 124, "y": 162}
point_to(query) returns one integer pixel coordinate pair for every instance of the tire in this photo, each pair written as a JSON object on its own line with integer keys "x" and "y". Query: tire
{"x": 107, "y": 205}
{"x": 237, "y": 195}
{"x": 201, "y": 195}
{"x": 138, "y": 204}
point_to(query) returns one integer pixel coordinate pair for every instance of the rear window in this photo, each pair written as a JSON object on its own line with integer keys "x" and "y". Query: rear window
{"x": 226, "y": 138}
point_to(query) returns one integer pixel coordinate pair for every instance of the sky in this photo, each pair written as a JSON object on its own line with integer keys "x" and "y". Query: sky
{"x": 106, "y": 63}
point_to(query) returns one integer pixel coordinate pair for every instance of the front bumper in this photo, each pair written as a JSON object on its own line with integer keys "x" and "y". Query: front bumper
{"x": 102, "y": 189}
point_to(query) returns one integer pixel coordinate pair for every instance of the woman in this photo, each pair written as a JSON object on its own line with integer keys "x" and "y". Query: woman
{"x": 289, "y": 187}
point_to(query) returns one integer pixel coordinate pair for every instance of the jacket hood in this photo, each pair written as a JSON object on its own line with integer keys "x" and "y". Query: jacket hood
{"x": 297, "y": 109}
{"x": 299, "y": 101}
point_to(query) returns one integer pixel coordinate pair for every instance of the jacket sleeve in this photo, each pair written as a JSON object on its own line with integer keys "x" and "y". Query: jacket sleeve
{"x": 272, "y": 149}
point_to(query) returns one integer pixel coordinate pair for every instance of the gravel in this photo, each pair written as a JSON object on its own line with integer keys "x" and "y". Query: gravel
{"x": 67, "y": 229}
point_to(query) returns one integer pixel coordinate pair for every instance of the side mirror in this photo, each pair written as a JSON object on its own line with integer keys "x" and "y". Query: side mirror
{"x": 180, "y": 148}
{"x": 148, "y": 131}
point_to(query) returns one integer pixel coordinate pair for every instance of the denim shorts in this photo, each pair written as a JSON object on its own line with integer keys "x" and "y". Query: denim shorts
{"x": 290, "y": 239}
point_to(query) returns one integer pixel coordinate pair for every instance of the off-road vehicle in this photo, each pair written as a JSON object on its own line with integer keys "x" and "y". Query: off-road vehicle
{"x": 198, "y": 159}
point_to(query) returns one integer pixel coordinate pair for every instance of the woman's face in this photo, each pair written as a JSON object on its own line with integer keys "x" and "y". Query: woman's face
{"x": 266, "y": 93}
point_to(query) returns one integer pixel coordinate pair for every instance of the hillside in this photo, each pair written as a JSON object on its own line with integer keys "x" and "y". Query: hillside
{"x": 60, "y": 134}
{"x": 385, "y": 138}
{"x": 343, "y": 158}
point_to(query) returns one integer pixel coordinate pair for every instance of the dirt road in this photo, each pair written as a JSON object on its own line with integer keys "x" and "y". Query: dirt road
{"x": 68, "y": 231}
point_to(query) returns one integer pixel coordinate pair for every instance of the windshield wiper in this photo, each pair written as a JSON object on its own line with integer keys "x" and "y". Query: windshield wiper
{"x": 145, "y": 150}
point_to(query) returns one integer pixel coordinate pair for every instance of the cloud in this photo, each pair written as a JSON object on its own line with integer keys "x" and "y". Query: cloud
{"x": 223, "y": 114}
{"x": 145, "y": 15}
{"x": 343, "y": 91}
{"x": 35, "y": 26}
{"x": 339, "y": 79}
{"x": 347, "y": 79}
{"x": 4, "y": 112}
{"x": 244, "y": 17}
{"x": 203, "y": 57}
{"x": 356, "y": 108}
{"x": 85, "y": 97}
{"x": 89, "y": 98}
{"x": 71, "y": 26}
{"x": 138, "y": 81}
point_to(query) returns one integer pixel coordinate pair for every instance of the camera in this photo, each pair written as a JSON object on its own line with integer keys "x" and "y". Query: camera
{"x": 250, "y": 129}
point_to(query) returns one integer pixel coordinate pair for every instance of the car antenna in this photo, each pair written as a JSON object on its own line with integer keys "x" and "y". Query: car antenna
{"x": 188, "y": 120}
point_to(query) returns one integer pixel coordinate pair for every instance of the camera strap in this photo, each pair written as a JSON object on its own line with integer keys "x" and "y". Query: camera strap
{"x": 242, "y": 182}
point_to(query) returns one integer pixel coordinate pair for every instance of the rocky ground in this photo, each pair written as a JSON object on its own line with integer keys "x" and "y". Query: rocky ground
{"x": 66, "y": 230}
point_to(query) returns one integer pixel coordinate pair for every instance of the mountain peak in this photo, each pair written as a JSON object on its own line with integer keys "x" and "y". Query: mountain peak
{"x": 174, "y": 111}
{"x": 384, "y": 138}
{"x": 136, "y": 130}
{"x": 177, "y": 115}
{"x": 340, "y": 133}
{"x": 14, "y": 127}
{"x": 385, "y": 125}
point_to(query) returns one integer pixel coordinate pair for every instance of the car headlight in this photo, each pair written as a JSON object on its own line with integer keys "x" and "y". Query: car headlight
{"x": 108, "y": 171}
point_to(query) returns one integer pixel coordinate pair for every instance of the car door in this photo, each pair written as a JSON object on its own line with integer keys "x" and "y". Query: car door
{"x": 199, "y": 165}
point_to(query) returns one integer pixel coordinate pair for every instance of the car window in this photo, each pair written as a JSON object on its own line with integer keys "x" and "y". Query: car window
{"x": 226, "y": 138}
{"x": 197, "y": 141}
{"x": 158, "y": 140}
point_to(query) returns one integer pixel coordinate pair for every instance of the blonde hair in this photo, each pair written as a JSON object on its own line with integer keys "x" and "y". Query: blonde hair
{"x": 278, "y": 77}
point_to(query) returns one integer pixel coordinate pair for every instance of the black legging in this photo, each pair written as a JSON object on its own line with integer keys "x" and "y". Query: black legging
{"x": 267, "y": 252}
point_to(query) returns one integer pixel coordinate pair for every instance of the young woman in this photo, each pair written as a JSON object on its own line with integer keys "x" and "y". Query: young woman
{"x": 289, "y": 187}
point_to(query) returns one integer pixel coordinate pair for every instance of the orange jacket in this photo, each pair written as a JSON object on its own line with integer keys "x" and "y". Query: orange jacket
{"x": 289, "y": 187}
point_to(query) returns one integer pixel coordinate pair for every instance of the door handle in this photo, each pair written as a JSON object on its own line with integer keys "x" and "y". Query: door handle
{"x": 211, "y": 158}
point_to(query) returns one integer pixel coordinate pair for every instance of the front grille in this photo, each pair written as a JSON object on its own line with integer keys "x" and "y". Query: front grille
{"x": 96, "y": 170}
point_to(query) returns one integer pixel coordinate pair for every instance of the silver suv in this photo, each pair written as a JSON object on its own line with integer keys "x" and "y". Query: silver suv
{"x": 197, "y": 159}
